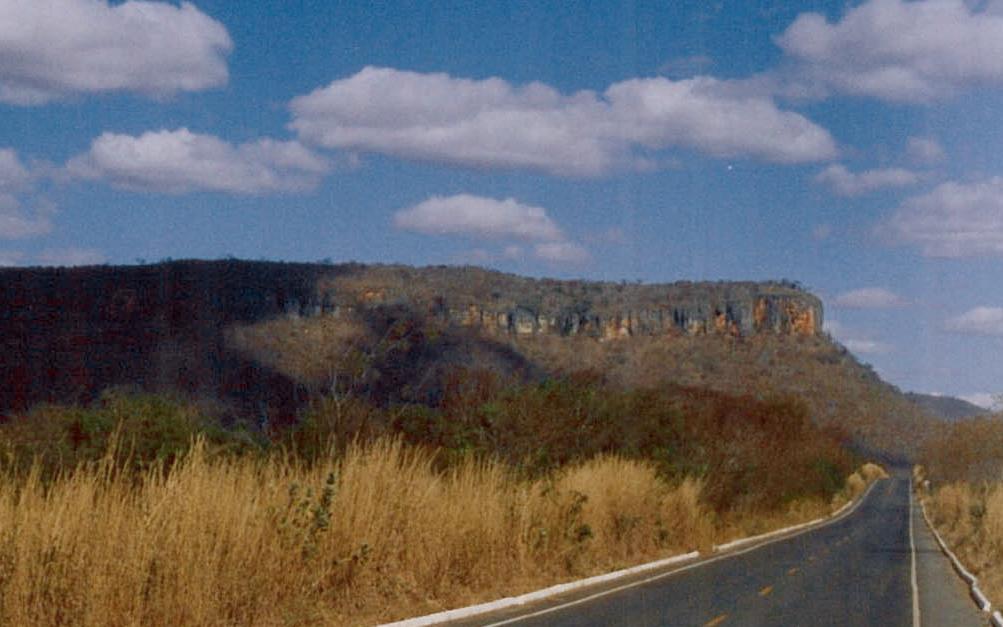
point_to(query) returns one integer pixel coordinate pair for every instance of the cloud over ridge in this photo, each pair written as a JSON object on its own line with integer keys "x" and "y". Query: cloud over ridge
{"x": 491, "y": 219}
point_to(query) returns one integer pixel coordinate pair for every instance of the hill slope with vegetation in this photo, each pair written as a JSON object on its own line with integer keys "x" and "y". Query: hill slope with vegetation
{"x": 266, "y": 341}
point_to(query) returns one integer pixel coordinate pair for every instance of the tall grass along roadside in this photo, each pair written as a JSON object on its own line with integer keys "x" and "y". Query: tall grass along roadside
{"x": 969, "y": 516}
{"x": 960, "y": 480}
{"x": 377, "y": 534}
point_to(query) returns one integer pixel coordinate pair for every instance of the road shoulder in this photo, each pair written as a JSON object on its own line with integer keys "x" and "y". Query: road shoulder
{"x": 943, "y": 596}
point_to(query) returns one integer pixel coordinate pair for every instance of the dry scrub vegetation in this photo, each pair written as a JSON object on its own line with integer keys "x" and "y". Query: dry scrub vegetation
{"x": 122, "y": 520}
{"x": 373, "y": 535}
{"x": 964, "y": 465}
{"x": 838, "y": 389}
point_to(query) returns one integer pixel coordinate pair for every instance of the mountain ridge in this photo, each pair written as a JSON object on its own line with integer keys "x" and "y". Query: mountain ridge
{"x": 266, "y": 337}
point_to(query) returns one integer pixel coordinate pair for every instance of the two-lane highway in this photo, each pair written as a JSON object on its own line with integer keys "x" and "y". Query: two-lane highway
{"x": 858, "y": 570}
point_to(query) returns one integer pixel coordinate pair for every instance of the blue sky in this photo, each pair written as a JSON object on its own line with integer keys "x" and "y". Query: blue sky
{"x": 852, "y": 146}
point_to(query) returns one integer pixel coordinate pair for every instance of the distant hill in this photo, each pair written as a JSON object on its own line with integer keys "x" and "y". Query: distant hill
{"x": 946, "y": 407}
{"x": 265, "y": 338}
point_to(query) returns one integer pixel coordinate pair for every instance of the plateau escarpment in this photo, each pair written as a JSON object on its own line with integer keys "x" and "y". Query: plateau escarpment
{"x": 67, "y": 333}
{"x": 266, "y": 339}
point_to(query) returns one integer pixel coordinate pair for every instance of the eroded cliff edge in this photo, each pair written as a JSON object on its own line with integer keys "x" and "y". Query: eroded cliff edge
{"x": 511, "y": 305}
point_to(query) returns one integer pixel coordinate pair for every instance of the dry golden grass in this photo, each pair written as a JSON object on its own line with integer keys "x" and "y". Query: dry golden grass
{"x": 375, "y": 535}
{"x": 970, "y": 519}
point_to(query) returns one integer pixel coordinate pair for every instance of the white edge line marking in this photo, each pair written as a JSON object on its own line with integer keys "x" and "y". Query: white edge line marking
{"x": 800, "y": 531}
{"x": 912, "y": 546}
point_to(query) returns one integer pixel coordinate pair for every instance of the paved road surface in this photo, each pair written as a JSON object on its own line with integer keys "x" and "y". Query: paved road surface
{"x": 856, "y": 571}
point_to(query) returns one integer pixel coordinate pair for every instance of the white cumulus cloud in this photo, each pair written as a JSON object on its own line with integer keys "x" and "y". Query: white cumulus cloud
{"x": 492, "y": 124}
{"x": 900, "y": 51}
{"x": 978, "y": 321}
{"x": 510, "y": 221}
{"x": 866, "y": 347}
{"x": 54, "y": 48}
{"x": 855, "y": 341}
{"x": 465, "y": 214}
{"x": 952, "y": 220}
{"x": 984, "y": 400}
{"x": 847, "y": 183}
{"x": 180, "y": 161}
{"x": 869, "y": 298}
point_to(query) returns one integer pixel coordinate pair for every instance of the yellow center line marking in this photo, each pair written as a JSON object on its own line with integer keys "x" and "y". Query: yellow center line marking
{"x": 766, "y": 591}
{"x": 792, "y": 571}
{"x": 714, "y": 622}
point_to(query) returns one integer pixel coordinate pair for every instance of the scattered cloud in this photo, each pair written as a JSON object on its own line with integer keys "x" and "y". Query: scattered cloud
{"x": 492, "y": 124}
{"x": 952, "y": 220}
{"x": 984, "y": 400}
{"x": 978, "y": 321}
{"x": 561, "y": 252}
{"x": 14, "y": 176}
{"x": 10, "y": 258}
{"x": 491, "y": 219}
{"x": 846, "y": 183}
{"x": 869, "y": 298}
{"x": 924, "y": 150}
{"x": 866, "y": 347}
{"x": 899, "y": 51}
{"x": 50, "y": 49}
{"x": 855, "y": 341}
{"x": 465, "y": 214}
{"x": 513, "y": 252}
{"x": 180, "y": 161}
{"x": 70, "y": 257}
{"x": 17, "y": 224}
{"x": 15, "y": 181}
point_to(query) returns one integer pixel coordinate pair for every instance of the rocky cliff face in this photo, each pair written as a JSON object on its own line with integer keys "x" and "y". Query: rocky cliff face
{"x": 786, "y": 315}
{"x": 66, "y": 334}
{"x": 515, "y": 306}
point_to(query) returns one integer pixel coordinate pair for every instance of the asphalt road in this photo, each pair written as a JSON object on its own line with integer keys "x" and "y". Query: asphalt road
{"x": 855, "y": 571}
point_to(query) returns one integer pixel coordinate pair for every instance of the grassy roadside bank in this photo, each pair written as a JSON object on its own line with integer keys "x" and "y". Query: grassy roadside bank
{"x": 960, "y": 480}
{"x": 969, "y": 517}
{"x": 376, "y": 534}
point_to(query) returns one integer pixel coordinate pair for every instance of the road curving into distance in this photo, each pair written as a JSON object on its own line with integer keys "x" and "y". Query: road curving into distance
{"x": 861, "y": 569}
